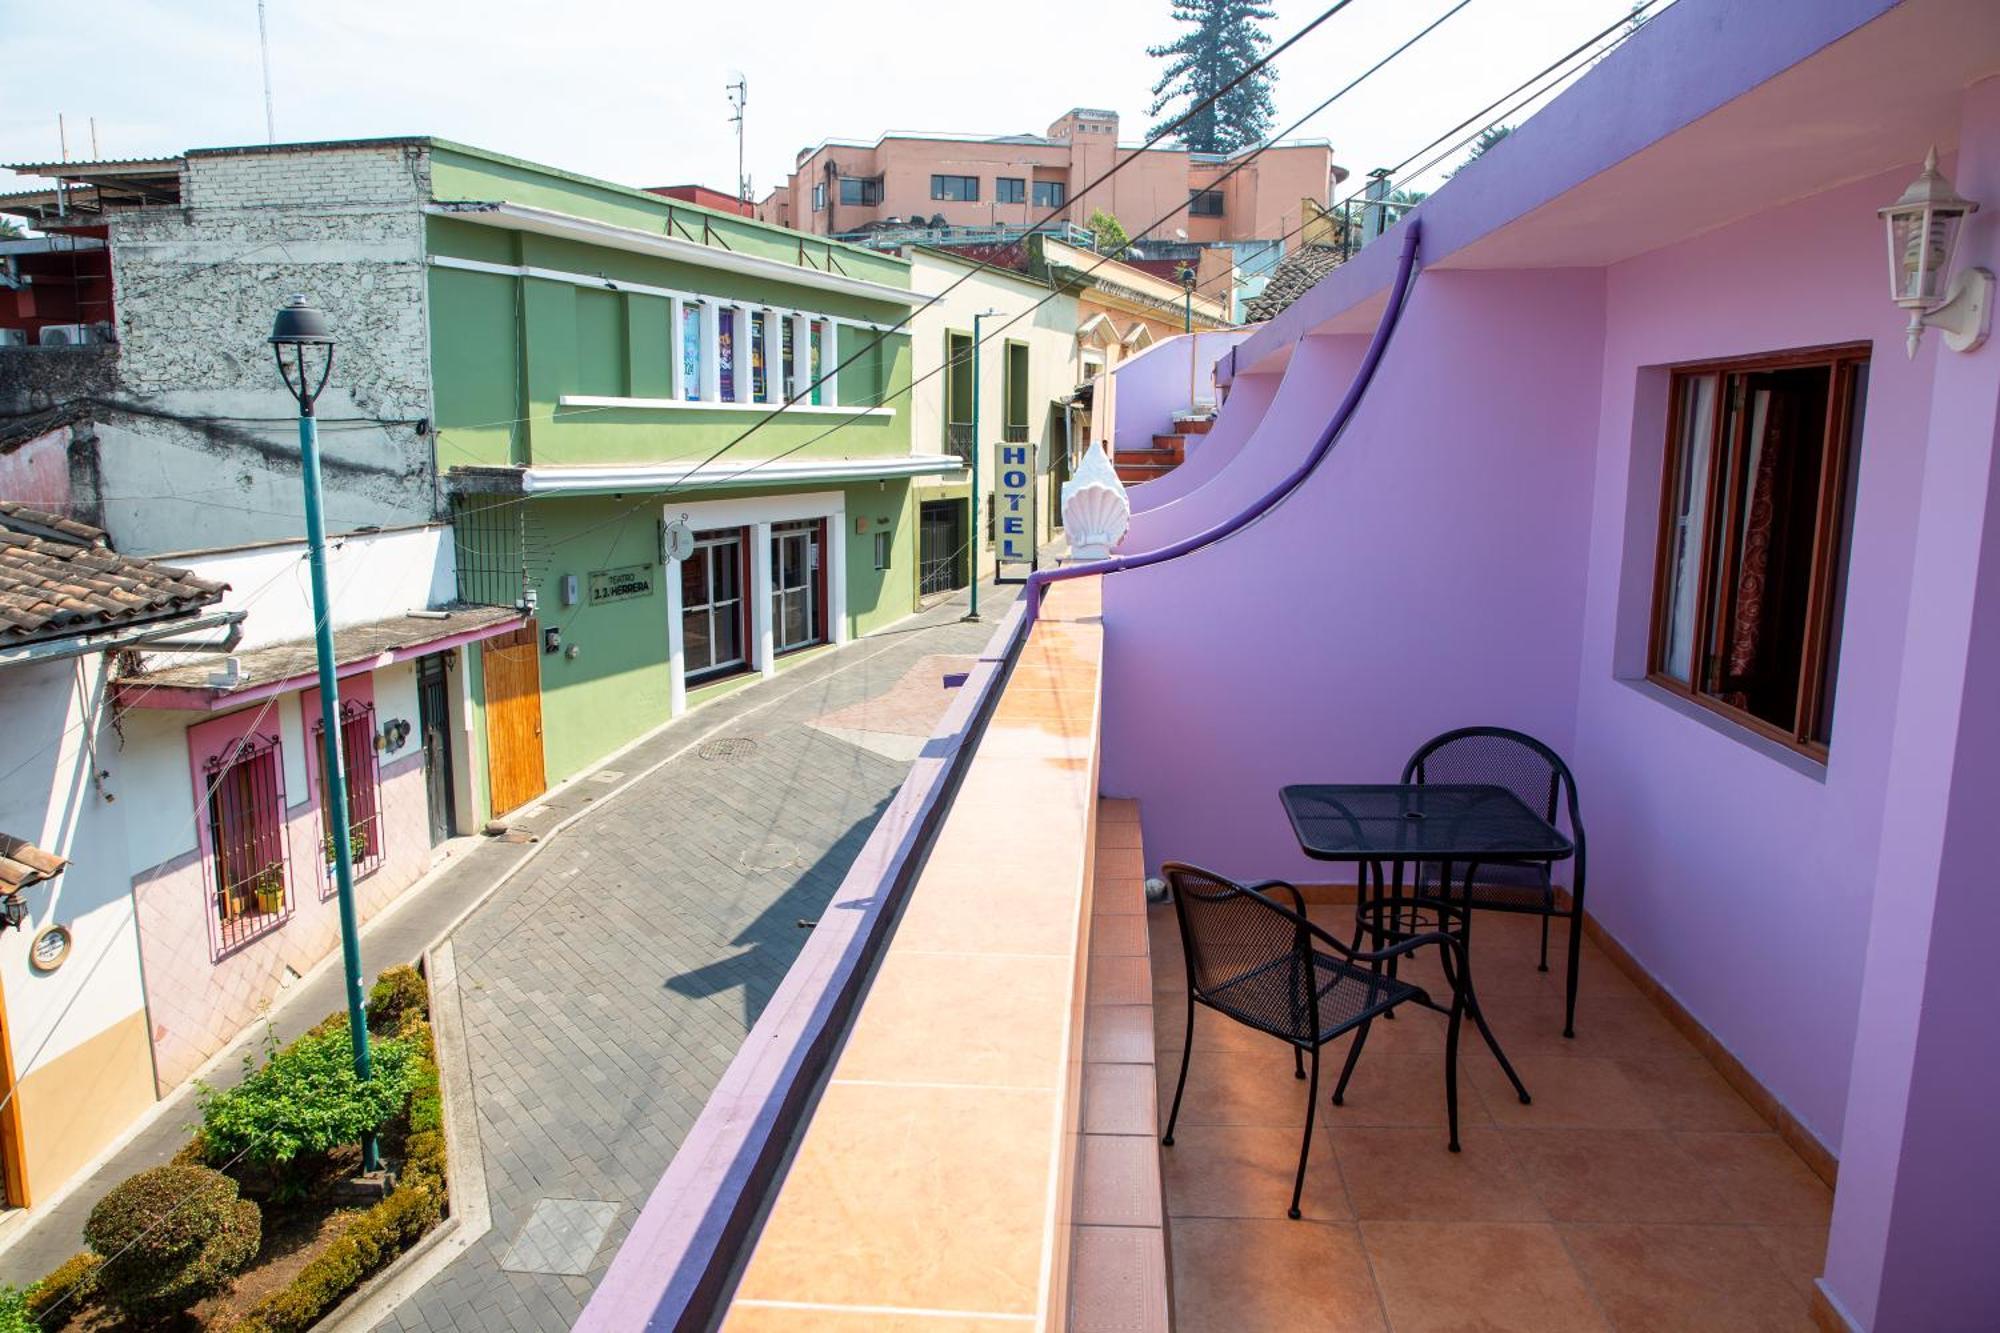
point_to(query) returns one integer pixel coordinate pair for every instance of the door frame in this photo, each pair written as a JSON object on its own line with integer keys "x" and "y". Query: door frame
{"x": 530, "y": 634}
{"x": 758, "y": 513}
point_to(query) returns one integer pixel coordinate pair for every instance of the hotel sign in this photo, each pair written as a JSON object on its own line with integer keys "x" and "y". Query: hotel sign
{"x": 1014, "y": 504}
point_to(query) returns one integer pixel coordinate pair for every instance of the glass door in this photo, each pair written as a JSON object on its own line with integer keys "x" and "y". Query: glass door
{"x": 795, "y": 557}
{"x": 712, "y": 639}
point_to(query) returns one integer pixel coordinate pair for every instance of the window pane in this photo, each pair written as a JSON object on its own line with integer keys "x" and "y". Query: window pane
{"x": 1010, "y": 189}
{"x": 1856, "y": 394}
{"x": 691, "y": 351}
{"x": 728, "y": 627}
{"x": 697, "y": 653}
{"x": 1762, "y": 604}
{"x": 760, "y": 379}
{"x": 1051, "y": 194}
{"x": 694, "y": 580}
{"x": 725, "y": 352}
{"x": 1694, "y": 433}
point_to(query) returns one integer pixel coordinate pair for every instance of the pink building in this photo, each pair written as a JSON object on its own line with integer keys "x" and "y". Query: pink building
{"x": 1016, "y": 179}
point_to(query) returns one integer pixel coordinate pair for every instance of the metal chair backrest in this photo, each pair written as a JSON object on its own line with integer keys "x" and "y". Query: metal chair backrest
{"x": 1499, "y": 757}
{"x": 1229, "y": 932}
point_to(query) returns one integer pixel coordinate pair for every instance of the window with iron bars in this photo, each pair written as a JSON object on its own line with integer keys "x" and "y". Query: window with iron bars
{"x": 249, "y": 892}
{"x": 365, "y": 843}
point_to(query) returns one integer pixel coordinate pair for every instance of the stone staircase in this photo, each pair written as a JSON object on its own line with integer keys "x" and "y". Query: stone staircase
{"x": 1166, "y": 452}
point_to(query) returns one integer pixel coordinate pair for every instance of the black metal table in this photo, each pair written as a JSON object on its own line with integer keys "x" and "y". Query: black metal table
{"x": 1443, "y": 825}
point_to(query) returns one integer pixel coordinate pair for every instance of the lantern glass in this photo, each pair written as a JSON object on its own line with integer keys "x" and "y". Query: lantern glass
{"x": 1921, "y": 242}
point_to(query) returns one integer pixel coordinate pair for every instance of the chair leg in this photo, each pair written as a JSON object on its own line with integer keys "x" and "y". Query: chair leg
{"x": 1305, "y": 1143}
{"x": 1575, "y": 957}
{"x": 1353, "y": 1055}
{"x": 1451, "y": 1067}
{"x": 1298, "y": 1063}
{"x": 1543, "y": 966}
{"x": 1187, "y": 1049}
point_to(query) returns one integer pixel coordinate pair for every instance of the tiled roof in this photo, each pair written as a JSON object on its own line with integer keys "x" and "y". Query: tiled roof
{"x": 1294, "y": 276}
{"x": 22, "y": 863}
{"x": 59, "y": 578}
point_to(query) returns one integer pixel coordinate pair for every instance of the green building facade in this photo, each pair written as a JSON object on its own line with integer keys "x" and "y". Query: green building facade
{"x": 604, "y": 361}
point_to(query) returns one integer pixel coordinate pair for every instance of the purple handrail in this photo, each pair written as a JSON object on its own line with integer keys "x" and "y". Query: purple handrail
{"x": 1398, "y": 293}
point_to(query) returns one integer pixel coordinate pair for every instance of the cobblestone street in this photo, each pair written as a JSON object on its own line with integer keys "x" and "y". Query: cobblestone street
{"x": 608, "y": 985}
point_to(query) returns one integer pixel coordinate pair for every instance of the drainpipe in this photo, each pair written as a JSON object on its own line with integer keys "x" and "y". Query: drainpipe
{"x": 1406, "y": 266}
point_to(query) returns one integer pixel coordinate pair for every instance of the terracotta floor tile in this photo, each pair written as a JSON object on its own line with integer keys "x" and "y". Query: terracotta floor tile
{"x": 1239, "y": 1088}
{"x": 1615, "y": 1175}
{"x": 1611, "y": 1027}
{"x": 1119, "y": 1099}
{"x": 1117, "y": 935}
{"x": 1409, "y": 1175}
{"x": 1689, "y": 1094}
{"x": 1117, "y": 833}
{"x": 1118, "y": 897}
{"x": 1759, "y": 1178}
{"x": 1685, "y": 1279}
{"x": 1396, "y": 1089}
{"x": 1800, "y": 1252}
{"x": 1118, "y": 1280}
{"x": 1449, "y": 1277}
{"x": 1597, "y": 975}
{"x": 1247, "y": 1171}
{"x": 1568, "y": 1092}
{"x": 1118, "y": 1033}
{"x": 1115, "y": 980}
{"x": 1118, "y": 1181}
{"x": 1254, "y": 1276}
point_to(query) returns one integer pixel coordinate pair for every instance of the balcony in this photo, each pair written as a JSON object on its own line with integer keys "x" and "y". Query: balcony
{"x": 958, "y": 440}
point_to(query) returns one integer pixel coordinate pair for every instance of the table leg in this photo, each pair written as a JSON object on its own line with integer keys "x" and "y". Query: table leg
{"x": 1464, "y": 980}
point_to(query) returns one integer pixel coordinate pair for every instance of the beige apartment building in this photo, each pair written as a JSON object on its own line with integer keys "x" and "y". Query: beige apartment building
{"x": 842, "y": 186}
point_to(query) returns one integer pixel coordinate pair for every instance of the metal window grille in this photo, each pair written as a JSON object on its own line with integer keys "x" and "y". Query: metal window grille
{"x": 500, "y": 548}
{"x": 1012, "y": 434}
{"x": 366, "y": 840}
{"x": 958, "y": 440}
{"x": 248, "y": 883}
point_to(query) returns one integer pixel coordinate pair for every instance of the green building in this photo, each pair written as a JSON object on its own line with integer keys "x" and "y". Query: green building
{"x": 603, "y": 363}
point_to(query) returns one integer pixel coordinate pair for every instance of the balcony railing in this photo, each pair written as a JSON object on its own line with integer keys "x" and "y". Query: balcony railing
{"x": 958, "y": 440}
{"x": 1014, "y": 434}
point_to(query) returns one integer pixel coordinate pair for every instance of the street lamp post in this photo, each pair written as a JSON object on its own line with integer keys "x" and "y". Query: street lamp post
{"x": 301, "y": 331}
{"x": 972, "y": 612}
{"x": 1187, "y": 326}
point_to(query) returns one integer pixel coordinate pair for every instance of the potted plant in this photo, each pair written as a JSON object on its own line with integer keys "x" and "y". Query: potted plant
{"x": 357, "y": 844}
{"x": 269, "y": 890}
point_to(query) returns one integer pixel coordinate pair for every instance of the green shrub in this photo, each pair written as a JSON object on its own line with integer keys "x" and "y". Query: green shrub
{"x": 14, "y": 1315}
{"x": 398, "y": 992}
{"x": 369, "y": 1242}
{"x": 169, "y": 1237}
{"x": 305, "y": 1100}
{"x": 64, "y": 1290}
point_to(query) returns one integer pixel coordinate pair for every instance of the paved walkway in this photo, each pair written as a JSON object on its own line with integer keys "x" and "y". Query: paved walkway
{"x": 608, "y": 984}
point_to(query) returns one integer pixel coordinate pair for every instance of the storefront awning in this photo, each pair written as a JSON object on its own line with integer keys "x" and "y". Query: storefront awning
{"x": 208, "y": 685}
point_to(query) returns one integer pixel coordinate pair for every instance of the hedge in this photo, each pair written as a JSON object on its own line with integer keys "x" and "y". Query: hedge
{"x": 67, "y": 1288}
{"x": 171, "y": 1235}
{"x": 377, "y": 1236}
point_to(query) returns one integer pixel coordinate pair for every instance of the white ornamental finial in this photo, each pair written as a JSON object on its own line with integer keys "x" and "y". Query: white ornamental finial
{"x": 1096, "y": 510}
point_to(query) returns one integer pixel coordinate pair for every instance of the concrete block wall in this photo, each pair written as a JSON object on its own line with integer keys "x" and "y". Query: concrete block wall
{"x": 199, "y": 442}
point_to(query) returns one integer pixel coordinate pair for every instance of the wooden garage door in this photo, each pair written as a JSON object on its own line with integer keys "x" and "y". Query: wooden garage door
{"x": 514, "y": 718}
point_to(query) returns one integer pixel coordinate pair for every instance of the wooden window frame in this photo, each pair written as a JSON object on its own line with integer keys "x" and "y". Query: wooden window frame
{"x": 1839, "y": 443}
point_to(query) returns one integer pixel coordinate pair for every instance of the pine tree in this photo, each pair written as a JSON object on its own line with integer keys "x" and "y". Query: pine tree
{"x": 1227, "y": 38}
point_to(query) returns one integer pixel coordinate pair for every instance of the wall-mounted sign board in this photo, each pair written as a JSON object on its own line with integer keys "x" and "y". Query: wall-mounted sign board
{"x": 616, "y": 585}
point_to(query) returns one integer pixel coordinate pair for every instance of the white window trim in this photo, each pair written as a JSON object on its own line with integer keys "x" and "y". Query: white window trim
{"x": 758, "y": 513}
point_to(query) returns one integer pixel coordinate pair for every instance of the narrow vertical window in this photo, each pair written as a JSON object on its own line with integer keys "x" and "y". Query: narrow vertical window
{"x": 787, "y": 364}
{"x": 691, "y": 351}
{"x": 712, "y": 633}
{"x": 725, "y": 352}
{"x": 760, "y": 375}
{"x": 882, "y": 550}
{"x": 245, "y": 815}
{"x": 818, "y": 342}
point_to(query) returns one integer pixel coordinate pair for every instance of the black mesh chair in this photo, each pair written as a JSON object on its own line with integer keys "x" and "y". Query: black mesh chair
{"x": 1263, "y": 964}
{"x": 1495, "y": 756}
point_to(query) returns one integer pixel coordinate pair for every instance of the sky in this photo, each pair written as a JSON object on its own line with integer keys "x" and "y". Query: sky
{"x": 636, "y": 92}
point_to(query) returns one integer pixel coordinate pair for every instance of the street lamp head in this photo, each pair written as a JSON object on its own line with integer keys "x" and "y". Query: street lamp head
{"x": 302, "y": 329}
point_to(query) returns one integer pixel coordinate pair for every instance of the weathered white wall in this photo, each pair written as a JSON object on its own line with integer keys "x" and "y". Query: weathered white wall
{"x": 369, "y": 576}
{"x": 58, "y": 739}
{"x": 198, "y": 444}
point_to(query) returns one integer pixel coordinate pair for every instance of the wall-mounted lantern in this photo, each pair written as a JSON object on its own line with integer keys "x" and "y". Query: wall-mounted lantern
{"x": 1924, "y": 228}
